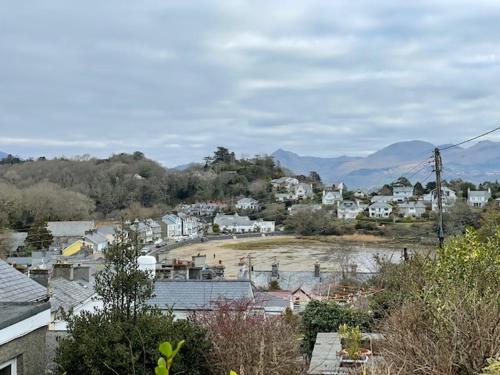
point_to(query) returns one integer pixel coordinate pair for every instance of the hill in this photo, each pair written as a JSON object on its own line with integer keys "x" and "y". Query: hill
{"x": 477, "y": 163}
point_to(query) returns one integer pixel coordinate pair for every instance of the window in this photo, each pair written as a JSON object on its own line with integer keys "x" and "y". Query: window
{"x": 9, "y": 367}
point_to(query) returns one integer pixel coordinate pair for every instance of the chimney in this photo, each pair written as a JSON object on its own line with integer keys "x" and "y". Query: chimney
{"x": 64, "y": 270}
{"x": 40, "y": 275}
{"x": 81, "y": 273}
{"x": 317, "y": 269}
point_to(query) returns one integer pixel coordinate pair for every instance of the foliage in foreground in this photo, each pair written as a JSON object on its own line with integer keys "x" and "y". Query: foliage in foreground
{"x": 449, "y": 321}
{"x": 324, "y": 316}
{"x": 250, "y": 343}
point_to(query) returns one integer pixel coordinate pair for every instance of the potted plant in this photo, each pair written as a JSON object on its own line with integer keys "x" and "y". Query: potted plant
{"x": 353, "y": 354}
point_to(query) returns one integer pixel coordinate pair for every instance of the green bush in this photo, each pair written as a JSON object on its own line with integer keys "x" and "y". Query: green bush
{"x": 323, "y": 316}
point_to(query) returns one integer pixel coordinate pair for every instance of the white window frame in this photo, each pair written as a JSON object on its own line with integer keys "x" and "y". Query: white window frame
{"x": 13, "y": 365}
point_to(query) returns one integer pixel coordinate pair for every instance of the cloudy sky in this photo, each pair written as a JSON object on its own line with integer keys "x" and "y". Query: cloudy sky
{"x": 177, "y": 78}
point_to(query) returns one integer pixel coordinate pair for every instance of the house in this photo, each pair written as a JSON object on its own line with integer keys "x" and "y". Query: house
{"x": 96, "y": 241}
{"x": 273, "y": 302}
{"x": 402, "y": 193}
{"x": 73, "y": 290}
{"x": 380, "y": 210}
{"x": 381, "y": 198}
{"x": 202, "y": 208}
{"x": 172, "y": 226}
{"x": 190, "y": 225}
{"x": 348, "y": 210}
{"x": 187, "y": 296}
{"x": 331, "y": 198}
{"x": 411, "y": 209}
{"x": 247, "y": 204}
{"x": 285, "y": 196}
{"x": 286, "y": 183}
{"x": 360, "y": 193}
{"x": 264, "y": 226}
{"x": 143, "y": 231}
{"x": 304, "y": 191}
{"x": 478, "y": 198}
{"x": 155, "y": 229}
{"x": 24, "y": 318}
{"x": 448, "y": 198}
{"x": 112, "y": 232}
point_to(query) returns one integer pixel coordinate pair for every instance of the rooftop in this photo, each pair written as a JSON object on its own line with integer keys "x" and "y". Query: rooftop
{"x": 17, "y": 287}
{"x": 69, "y": 228}
{"x": 68, "y": 294}
{"x": 197, "y": 294}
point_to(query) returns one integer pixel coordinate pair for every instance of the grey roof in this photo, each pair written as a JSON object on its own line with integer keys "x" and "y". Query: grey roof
{"x": 96, "y": 238}
{"x": 292, "y": 280}
{"x": 380, "y": 205}
{"x": 69, "y": 228}
{"x": 324, "y": 359}
{"x": 403, "y": 189}
{"x": 171, "y": 219}
{"x": 197, "y": 294}
{"x": 235, "y": 219}
{"x": 378, "y": 198}
{"x": 247, "y": 200}
{"x": 347, "y": 205}
{"x": 271, "y": 301}
{"x": 12, "y": 313}
{"x": 68, "y": 294}
{"x": 17, "y": 287}
{"x": 108, "y": 230}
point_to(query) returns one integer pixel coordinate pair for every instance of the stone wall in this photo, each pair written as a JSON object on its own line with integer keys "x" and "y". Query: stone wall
{"x": 29, "y": 351}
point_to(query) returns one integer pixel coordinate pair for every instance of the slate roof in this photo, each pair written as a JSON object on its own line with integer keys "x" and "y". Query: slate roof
{"x": 68, "y": 294}
{"x": 378, "y": 198}
{"x": 229, "y": 220}
{"x": 247, "y": 201}
{"x": 12, "y": 313}
{"x": 197, "y": 294}
{"x": 402, "y": 189}
{"x": 96, "y": 238}
{"x": 17, "y": 287}
{"x": 171, "y": 219}
{"x": 380, "y": 205}
{"x": 484, "y": 194}
{"x": 69, "y": 228}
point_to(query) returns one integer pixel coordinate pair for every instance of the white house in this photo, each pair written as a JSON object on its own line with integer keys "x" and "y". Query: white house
{"x": 144, "y": 232}
{"x": 284, "y": 183}
{"x": 242, "y": 224}
{"x": 448, "y": 198}
{"x": 190, "y": 225}
{"x": 348, "y": 210}
{"x": 172, "y": 225}
{"x": 402, "y": 193}
{"x": 97, "y": 241}
{"x": 331, "y": 198}
{"x": 247, "y": 204}
{"x": 155, "y": 229}
{"x": 303, "y": 191}
{"x": 478, "y": 198}
{"x": 411, "y": 209}
{"x": 380, "y": 210}
{"x": 284, "y": 196}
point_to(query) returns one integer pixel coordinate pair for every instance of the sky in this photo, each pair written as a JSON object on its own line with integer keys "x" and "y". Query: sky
{"x": 176, "y": 79}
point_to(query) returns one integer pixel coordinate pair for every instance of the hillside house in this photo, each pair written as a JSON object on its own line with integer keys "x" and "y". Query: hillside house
{"x": 295, "y": 208}
{"x": 478, "y": 198}
{"x": 411, "y": 209}
{"x": 348, "y": 210}
{"x": 264, "y": 226}
{"x": 68, "y": 231}
{"x": 402, "y": 193}
{"x": 190, "y": 225}
{"x": 247, "y": 204}
{"x": 202, "y": 208}
{"x": 449, "y": 198}
{"x": 284, "y": 183}
{"x": 242, "y": 224}
{"x": 155, "y": 229}
{"x": 143, "y": 231}
{"x": 112, "y": 232}
{"x": 331, "y": 198}
{"x": 96, "y": 241}
{"x": 304, "y": 191}
{"x": 24, "y": 318}
{"x": 380, "y": 210}
{"x": 172, "y": 226}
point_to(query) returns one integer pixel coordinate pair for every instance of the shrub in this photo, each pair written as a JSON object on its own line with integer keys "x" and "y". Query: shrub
{"x": 323, "y": 316}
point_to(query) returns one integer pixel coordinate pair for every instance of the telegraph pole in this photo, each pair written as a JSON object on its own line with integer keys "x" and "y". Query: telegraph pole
{"x": 438, "y": 167}
{"x": 250, "y": 267}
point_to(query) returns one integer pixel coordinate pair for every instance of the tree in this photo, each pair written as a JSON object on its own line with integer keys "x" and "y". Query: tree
{"x": 401, "y": 181}
{"x": 418, "y": 189}
{"x": 4, "y": 244}
{"x": 39, "y": 237}
{"x": 124, "y": 336}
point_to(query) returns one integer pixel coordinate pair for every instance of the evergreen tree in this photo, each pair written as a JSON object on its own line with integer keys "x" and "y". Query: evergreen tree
{"x": 39, "y": 236}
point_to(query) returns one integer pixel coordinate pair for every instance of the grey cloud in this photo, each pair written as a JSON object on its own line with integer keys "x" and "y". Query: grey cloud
{"x": 176, "y": 79}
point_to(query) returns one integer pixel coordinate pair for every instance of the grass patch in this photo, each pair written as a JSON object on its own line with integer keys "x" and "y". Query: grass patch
{"x": 270, "y": 243}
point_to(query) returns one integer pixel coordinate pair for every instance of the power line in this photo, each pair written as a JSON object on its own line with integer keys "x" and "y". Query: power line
{"x": 470, "y": 139}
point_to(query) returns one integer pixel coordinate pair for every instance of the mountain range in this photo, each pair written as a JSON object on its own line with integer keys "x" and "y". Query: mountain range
{"x": 411, "y": 159}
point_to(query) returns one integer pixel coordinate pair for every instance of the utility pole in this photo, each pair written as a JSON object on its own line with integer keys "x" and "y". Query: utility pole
{"x": 250, "y": 268}
{"x": 438, "y": 167}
